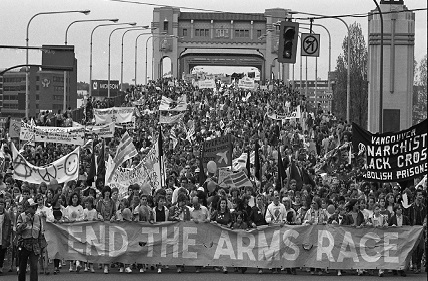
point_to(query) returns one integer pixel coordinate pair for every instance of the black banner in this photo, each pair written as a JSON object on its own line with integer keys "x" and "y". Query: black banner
{"x": 392, "y": 157}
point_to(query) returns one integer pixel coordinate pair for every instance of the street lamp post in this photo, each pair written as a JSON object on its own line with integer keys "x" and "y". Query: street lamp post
{"x": 380, "y": 70}
{"x": 121, "y": 61}
{"x": 109, "y": 58}
{"x": 136, "y": 46}
{"x": 348, "y": 78}
{"x": 86, "y": 12}
{"x": 90, "y": 53}
{"x": 64, "y": 108}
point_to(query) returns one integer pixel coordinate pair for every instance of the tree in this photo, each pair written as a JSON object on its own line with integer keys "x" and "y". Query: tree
{"x": 359, "y": 83}
{"x": 420, "y": 92}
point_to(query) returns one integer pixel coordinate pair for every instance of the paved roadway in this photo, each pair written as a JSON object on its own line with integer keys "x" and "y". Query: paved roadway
{"x": 208, "y": 274}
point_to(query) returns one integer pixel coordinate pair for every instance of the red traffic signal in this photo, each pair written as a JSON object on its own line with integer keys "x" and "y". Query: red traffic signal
{"x": 288, "y": 42}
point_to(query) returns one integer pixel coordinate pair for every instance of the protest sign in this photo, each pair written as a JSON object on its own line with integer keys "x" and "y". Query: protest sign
{"x": 206, "y": 84}
{"x": 205, "y": 244}
{"x": 164, "y": 119}
{"x": 14, "y": 128}
{"x": 66, "y": 135}
{"x": 218, "y": 150}
{"x": 246, "y": 83}
{"x": 390, "y": 156}
{"x": 117, "y": 115}
{"x": 280, "y": 117}
{"x": 26, "y": 132}
{"x": 168, "y": 104}
{"x": 123, "y": 178}
{"x": 103, "y": 131}
{"x": 64, "y": 169}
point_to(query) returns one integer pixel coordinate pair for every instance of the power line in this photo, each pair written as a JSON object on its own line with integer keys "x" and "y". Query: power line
{"x": 360, "y": 15}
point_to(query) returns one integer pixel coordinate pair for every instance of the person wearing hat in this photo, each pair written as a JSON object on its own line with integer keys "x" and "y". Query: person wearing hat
{"x": 29, "y": 230}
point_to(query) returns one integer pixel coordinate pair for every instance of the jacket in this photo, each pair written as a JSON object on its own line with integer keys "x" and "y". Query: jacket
{"x": 393, "y": 220}
{"x": 6, "y": 230}
{"x": 346, "y": 220}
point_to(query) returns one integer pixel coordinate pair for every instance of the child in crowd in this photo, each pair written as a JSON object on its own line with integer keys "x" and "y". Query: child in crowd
{"x": 89, "y": 214}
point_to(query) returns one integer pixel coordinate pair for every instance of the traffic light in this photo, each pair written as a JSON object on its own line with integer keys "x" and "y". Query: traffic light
{"x": 288, "y": 42}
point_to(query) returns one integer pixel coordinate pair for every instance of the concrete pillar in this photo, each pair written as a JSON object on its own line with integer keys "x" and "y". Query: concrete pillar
{"x": 399, "y": 36}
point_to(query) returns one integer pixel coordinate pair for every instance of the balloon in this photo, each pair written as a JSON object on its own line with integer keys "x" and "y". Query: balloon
{"x": 330, "y": 209}
{"x": 212, "y": 167}
{"x": 211, "y": 186}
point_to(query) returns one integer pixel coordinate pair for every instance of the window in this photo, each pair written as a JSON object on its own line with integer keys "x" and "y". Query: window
{"x": 58, "y": 78}
{"x": 202, "y": 32}
{"x": 37, "y": 97}
{"x": 222, "y": 32}
{"x": 259, "y": 33}
{"x": 37, "y": 106}
{"x": 37, "y": 78}
{"x": 57, "y": 97}
{"x": 59, "y": 88}
{"x": 165, "y": 25}
{"x": 242, "y": 33}
{"x": 184, "y": 31}
{"x": 37, "y": 87}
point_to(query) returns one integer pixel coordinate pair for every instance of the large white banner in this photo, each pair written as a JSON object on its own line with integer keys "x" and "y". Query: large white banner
{"x": 116, "y": 115}
{"x": 290, "y": 115}
{"x": 67, "y": 135}
{"x": 64, "y": 169}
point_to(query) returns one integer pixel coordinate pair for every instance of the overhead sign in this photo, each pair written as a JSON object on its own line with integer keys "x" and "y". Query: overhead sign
{"x": 100, "y": 88}
{"x": 310, "y": 45}
{"x": 58, "y": 57}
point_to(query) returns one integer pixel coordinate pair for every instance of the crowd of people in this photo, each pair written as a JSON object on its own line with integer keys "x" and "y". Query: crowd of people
{"x": 316, "y": 194}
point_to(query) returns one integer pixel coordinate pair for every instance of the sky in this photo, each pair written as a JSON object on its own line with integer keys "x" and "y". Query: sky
{"x": 50, "y": 29}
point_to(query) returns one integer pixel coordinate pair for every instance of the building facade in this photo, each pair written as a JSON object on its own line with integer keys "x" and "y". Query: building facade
{"x": 46, "y": 92}
{"x": 318, "y": 93}
{"x": 397, "y": 66}
{"x": 233, "y": 39}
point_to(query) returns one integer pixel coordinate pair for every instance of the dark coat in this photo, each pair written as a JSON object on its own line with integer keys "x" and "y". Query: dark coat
{"x": 6, "y": 230}
{"x": 346, "y": 220}
{"x": 393, "y": 220}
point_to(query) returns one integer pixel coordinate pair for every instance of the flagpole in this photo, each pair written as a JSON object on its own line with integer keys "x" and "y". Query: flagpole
{"x": 159, "y": 155}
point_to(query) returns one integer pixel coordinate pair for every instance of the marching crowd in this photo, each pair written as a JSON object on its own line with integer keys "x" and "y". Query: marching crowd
{"x": 318, "y": 188}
